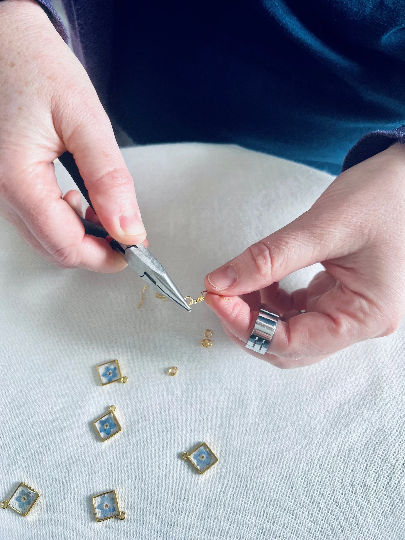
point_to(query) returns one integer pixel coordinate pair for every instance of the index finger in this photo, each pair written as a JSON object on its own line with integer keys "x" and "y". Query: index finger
{"x": 36, "y": 198}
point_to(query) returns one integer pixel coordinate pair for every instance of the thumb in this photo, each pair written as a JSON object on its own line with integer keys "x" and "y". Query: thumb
{"x": 306, "y": 241}
{"x": 105, "y": 174}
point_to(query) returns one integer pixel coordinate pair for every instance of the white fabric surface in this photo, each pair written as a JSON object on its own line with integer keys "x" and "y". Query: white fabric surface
{"x": 312, "y": 453}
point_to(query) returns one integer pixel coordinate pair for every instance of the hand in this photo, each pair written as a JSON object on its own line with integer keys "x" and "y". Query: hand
{"x": 48, "y": 105}
{"x": 356, "y": 229}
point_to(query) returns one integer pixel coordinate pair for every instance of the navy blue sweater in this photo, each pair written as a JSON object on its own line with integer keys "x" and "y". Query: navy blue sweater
{"x": 300, "y": 80}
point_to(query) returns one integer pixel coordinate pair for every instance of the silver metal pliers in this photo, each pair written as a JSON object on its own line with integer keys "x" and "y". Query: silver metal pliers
{"x": 138, "y": 257}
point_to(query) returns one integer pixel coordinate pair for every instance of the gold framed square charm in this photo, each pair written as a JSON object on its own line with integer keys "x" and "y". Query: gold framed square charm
{"x": 106, "y": 506}
{"x": 202, "y": 458}
{"x": 22, "y": 500}
{"x": 107, "y": 425}
{"x": 110, "y": 372}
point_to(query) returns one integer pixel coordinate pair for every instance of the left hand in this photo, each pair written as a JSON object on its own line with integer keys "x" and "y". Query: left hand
{"x": 356, "y": 229}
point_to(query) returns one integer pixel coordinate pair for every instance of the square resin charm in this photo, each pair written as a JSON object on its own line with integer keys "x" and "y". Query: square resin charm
{"x": 202, "y": 458}
{"x": 106, "y": 506}
{"x": 107, "y": 425}
{"x": 22, "y": 500}
{"x": 110, "y": 372}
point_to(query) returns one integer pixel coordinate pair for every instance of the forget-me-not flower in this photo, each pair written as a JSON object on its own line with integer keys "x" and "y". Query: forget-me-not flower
{"x": 106, "y": 425}
{"x": 202, "y": 458}
{"x": 110, "y": 373}
{"x": 24, "y": 499}
{"x": 107, "y": 506}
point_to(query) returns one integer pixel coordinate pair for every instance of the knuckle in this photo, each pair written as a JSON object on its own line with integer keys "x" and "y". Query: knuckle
{"x": 391, "y": 327}
{"x": 116, "y": 179}
{"x": 362, "y": 313}
{"x": 67, "y": 257}
{"x": 236, "y": 312}
{"x": 262, "y": 259}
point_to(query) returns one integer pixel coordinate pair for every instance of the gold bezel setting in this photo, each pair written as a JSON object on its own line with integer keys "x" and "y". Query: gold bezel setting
{"x": 9, "y": 503}
{"x": 110, "y": 432}
{"x": 120, "y": 378}
{"x": 198, "y": 460}
{"x": 118, "y": 514}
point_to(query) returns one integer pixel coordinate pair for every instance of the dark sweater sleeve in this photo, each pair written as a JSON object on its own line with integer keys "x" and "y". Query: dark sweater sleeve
{"x": 54, "y": 18}
{"x": 371, "y": 144}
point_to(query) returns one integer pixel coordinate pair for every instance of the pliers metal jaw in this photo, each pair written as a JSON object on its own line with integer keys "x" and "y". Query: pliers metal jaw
{"x": 141, "y": 260}
{"x": 138, "y": 257}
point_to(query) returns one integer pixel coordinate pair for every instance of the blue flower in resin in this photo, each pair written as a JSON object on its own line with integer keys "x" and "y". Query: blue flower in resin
{"x": 202, "y": 458}
{"x": 107, "y": 425}
{"x": 24, "y": 499}
{"x": 110, "y": 373}
{"x": 107, "y": 506}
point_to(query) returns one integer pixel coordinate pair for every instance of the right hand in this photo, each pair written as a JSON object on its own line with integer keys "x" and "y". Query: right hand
{"x": 47, "y": 106}
{"x": 356, "y": 230}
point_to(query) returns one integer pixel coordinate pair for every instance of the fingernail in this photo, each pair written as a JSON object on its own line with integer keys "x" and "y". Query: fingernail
{"x": 223, "y": 278}
{"x": 132, "y": 224}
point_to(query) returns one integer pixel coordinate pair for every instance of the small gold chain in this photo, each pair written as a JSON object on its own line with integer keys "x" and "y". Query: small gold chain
{"x": 193, "y": 301}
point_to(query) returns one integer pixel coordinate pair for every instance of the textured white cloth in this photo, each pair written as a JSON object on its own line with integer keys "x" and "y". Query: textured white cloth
{"x": 312, "y": 453}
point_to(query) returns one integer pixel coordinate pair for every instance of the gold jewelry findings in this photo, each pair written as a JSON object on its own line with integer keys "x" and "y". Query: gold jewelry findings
{"x": 110, "y": 372}
{"x": 172, "y": 371}
{"x": 202, "y": 458}
{"x": 207, "y": 342}
{"x": 106, "y": 506}
{"x": 142, "y": 297}
{"x": 107, "y": 425}
{"x": 22, "y": 500}
{"x": 199, "y": 299}
{"x": 161, "y": 297}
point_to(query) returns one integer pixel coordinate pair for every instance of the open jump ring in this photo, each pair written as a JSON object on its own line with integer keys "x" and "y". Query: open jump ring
{"x": 263, "y": 332}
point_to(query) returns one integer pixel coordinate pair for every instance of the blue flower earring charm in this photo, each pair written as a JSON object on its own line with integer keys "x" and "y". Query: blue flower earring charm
{"x": 107, "y": 425}
{"x": 22, "y": 500}
{"x": 110, "y": 372}
{"x": 202, "y": 458}
{"x": 106, "y": 506}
